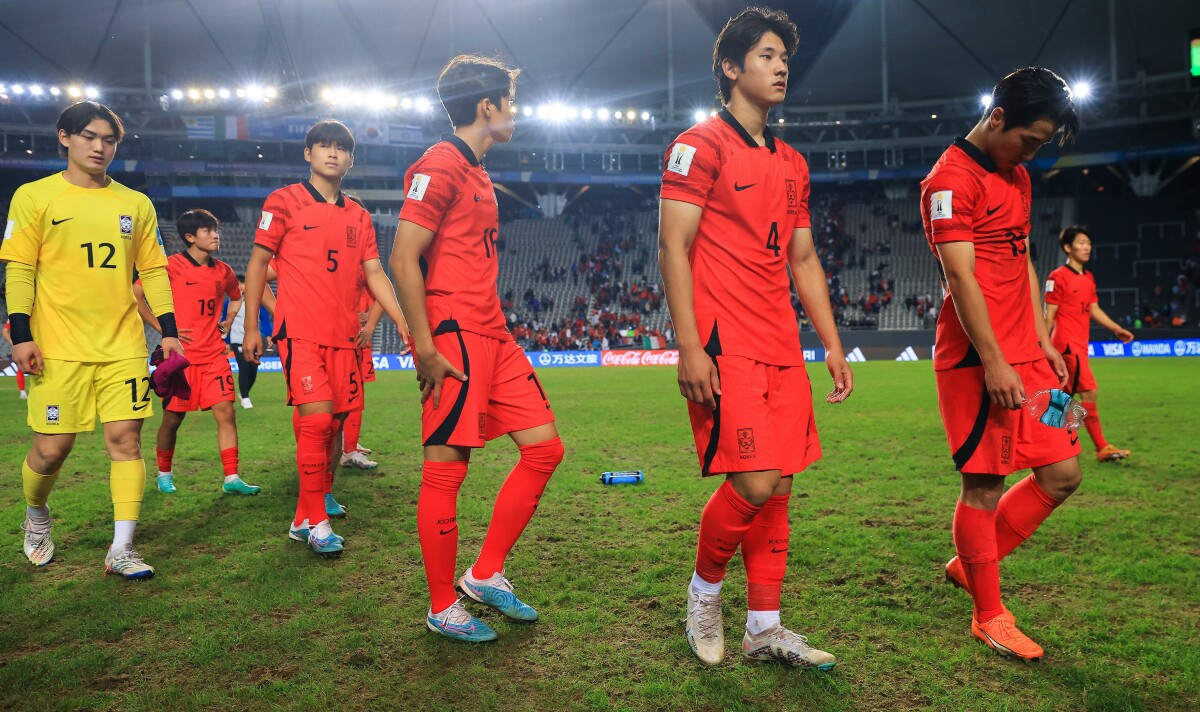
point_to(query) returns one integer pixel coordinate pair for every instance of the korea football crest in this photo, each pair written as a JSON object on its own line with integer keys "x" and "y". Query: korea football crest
{"x": 793, "y": 195}
{"x": 127, "y": 227}
{"x": 52, "y": 414}
{"x": 351, "y": 236}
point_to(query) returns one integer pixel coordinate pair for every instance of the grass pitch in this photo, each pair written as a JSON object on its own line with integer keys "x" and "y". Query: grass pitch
{"x": 239, "y": 617}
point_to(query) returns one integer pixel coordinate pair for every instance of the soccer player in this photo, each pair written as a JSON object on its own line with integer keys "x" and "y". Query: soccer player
{"x": 320, "y": 240}
{"x": 1071, "y": 304}
{"x": 199, "y": 283}
{"x": 72, "y": 243}
{"x": 369, "y": 311}
{"x": 992, "y": 348}
{"x": 19, "y": 374}
{"x": 248, "y": 370}
{"x": 733, "y": 220}
{"x": 476, "y": 383}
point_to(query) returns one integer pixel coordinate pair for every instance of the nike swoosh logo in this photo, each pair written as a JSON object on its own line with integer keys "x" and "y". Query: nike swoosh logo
{"x": 992, "y": 210}
{"x": 444, "y": 532}
{"x": 60, "y": 222}
{"x": 778, "y": 551}
{"x": 191, "y": 284}
{"x": 740, "y": 188}
{"x": 143, "y": 406}
{"x": 1074, "y": 440}
{"x": 311, "y": 227}
{"x": 478, "y": 197}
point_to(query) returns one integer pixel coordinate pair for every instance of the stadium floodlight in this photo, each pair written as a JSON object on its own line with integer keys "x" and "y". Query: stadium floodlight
{"x": 713, "y": 112}
{"x": 210, "y": 94}
{"x": 618, "y": 115}
{"x": 270, "y": 92}
{"x": 407, "y": 103}
{"x": 91, "y": 93}
{"x": 254, "y": 92}
{"x": 985, "y": 100}
{"x": 1081, "y": 90}
{"x": 176, "y": 94}
{"x": 423, "y": 105}
{"x": 933, "y": 116}
{"x": 223, "y": 93}
{"x": 18, "y": 89}
{"x": 527, "y": 110}
{"x": 241, "y": 93}
{"x": 193, "y": 94}
{"x": 392, "y": 102}
{"x": 698, "y": 115}
{"x": 327, "y": 94}
{"x": 645, "y": 116}
{"x": 3, "y": 89}
{"x": 631, "y": 115}
{"x": 586, "y": 114}
{"x": 55, "y": 91}
{"x": 781, "y": 119}
{"x": 572, "y": 113}
{"x": 35, "y": 89}
{"x": 602, "y": 114}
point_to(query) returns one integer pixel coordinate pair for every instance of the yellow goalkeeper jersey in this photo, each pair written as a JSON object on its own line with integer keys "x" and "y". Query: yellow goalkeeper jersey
{"x": 84, "y": 245}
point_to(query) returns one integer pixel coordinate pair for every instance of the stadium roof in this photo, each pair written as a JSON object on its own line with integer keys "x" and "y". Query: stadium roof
{"x": 602, "y": 51}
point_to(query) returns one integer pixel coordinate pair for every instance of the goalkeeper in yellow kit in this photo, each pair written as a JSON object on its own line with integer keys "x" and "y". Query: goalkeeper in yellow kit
{"x": 72, "y": 243}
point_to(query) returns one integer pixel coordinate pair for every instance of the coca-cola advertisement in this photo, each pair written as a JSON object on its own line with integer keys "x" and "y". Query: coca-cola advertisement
{"x": 666, "y": 357}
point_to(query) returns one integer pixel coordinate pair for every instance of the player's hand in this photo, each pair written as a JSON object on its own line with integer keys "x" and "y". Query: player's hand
{"x": 223, "y": 327}
{"x": 843, "y": 377}
{"x": 185, "y": 336}
{"x": 28, "y": 358}
{"x": 362, "y": 339}
{"x": 405, "y": 337}
{"x": 1057, "y": 364}
{"x": 171, "y": 345}
{"x": 432, "y": 369}
{"x": 1004, "y": 385}
{"x": 362, "y": 318}
{"x": 698, "y": 379}
{"x": 1123, "y": 335}
{"x": 252, "y": 346}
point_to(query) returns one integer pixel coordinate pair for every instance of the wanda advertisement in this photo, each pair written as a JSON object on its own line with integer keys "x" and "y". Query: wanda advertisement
{"x": 635, "y": 357}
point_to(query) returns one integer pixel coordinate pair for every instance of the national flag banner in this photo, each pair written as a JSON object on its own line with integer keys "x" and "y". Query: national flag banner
{"x": 653, "y": 342}
{"x": 401, "y": 133}
{"x": 372, "y": 132}
{"x": 234, "y": 127}
{"x": 200, "y": 127}
{"x": 217, "y": 127}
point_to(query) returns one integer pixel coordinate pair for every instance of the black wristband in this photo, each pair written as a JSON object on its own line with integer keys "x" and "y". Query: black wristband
{"x": 19, "y": 328}
{"x": 167, "y": 322}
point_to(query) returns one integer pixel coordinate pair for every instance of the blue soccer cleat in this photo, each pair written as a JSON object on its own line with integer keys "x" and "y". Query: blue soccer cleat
{"x": 497, "y": 592}
{"x": 330, "y": 546}
{"x": 332, "y": 508}
{"x": 455, "y": 623}
{"x": 165, "y": 482}
{"x": 238, "y": 486}
{"x": 300, "y": 533}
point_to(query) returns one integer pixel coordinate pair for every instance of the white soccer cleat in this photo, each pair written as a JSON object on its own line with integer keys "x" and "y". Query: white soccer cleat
{"x": 779, "y": 643}
{"x": 705, "y": 627}
{"x": 247, "y": 404}
{"x": 39, "y": 547}
{"x": 359, "y": 460}
{"x": 24, "y": 395}
{"x": 127, "y": 563}
{"x": 363, "y": 450}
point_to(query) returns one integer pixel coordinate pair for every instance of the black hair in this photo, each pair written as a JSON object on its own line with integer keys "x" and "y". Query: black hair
{"x": 191, "y": 222}
{"x": 240, "y": 277}
{"x": 740, "y": 35}
{"x": 1034, "y": 93}
{"x": 468, "y": 79}
{"x": 1070, "y": 232}
{"x": 330, "y": 131}
{"x": 76, "y": 117}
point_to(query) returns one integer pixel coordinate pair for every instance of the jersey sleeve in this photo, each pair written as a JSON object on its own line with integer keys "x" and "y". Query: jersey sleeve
{"x": 803, "y": 216}
{"x": 690, "y": 169}
{"x": 232, "y": 290}
{"x": 1093, "y": 297}
{"x": 370, "y": 243}
{"x": 23, "y": 231}
{"x": 273, "y": 222}
{"x": 1027, "y": 191}
{"x": 431, "y": 190}
{"x": 951, "y": 198}
{"x": 149, "y": 250}
{"x": 1054, "y": 290}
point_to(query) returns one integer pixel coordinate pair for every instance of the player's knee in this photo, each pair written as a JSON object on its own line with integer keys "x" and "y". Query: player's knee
{"x": 543, "y": 457}
{"x": 126, "y": 445}
{"x": 756, "y": 492}
{"x": 47, "y": 457}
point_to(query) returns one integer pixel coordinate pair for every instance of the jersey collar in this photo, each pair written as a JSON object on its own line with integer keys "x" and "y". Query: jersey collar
{"x": 316, "y": 195}
{"x": 462, "y": 147}
{"x": 768, "y": 137}
{"x": 188, "y": 256}
{"x": 1076, "y": 271}
{"x": 976, "y": 155}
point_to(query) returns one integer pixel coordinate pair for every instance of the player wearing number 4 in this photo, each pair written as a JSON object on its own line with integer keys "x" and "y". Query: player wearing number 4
{"x": 476, "y": 383}
{"x": 199, "y": 284}
{"x": 734, "y": 219}
{"x": 72, "y": 243}
{"x": 321, "y": 241}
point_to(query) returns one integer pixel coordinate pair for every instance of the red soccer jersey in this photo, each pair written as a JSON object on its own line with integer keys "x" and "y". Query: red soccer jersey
{"x": 1074, "y": 293}
{"x": 452, "y": 195}
{"x": 319, "y": 250}
{"x": 198, "y": 292}
{"x": 753, "y": 197}
{"x": 966, "y": 199}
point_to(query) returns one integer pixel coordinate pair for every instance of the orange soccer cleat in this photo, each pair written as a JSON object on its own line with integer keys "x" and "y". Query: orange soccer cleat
{"x": 1109, "y": 453}
{"x": 1001, "y": 634}
{"x": 956, "y": 575}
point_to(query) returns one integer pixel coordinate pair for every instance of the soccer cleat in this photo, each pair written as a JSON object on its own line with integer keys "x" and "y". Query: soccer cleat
{"x": 357, "y": 459}
{"x": 956, "y": 575}
{"x": 300, "y": 534}
{"x": 457, "y": 624}
{"x": 1001, "y": 634}
{"x": 1109, "y": 453}
{"x": 779, "y": 643}
{"x": 332, "y": 508}
{"x": 497, "y": 592}
{"x": 24, "y": 395}
{"x": 328, "y": 547}
{"x": 237, "y": 486}
{"x": 363, "y": 450}
{"x": 247, "y": 404}
{"x": 39, "y": 547}
{"x": 165, "y": 482}
{"x": 704, "y": 626}
{"x": 127, "y": 563}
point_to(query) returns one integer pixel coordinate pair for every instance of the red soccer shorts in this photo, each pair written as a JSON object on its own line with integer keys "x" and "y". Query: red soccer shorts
{"x": 211, "y": 383}
{"x": 316, "y": 373}
{"x": 986, "y": 439}
{"x": 501, "y": 394}
{"x": 1079, "y": 371}
{"x": 763, "y": 421}
{"x": 367, "y": 365}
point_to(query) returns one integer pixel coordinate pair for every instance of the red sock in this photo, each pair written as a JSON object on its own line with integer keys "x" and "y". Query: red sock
{"x": 975, "y": 540}
{"x": 437, "y": 528}
{"x": 1022, "y": 509}
{"x": 229, "y": 461}
{"x": 301, "y": 510}
{"x": 350, "y": 430}
{"x": 516, "y": 503}
{"x": 1091, "y": 421}
{"x": 764, "y": 552}
{"x": 723, "y": 524}
{"x": 20, "y": 380}
{"x": 165, "y": 459}
{"x": 312, "y": 462}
